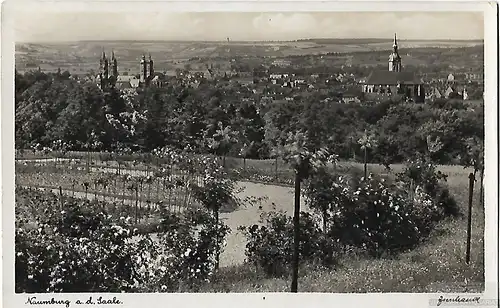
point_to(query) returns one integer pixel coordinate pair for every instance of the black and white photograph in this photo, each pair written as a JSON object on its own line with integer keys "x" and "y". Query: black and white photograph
{"x": 232, "y": 151}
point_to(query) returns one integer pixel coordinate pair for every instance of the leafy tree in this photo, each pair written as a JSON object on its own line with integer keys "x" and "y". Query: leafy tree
{"x": 221, "y": 140}
{"x": 367, "y": 141}
{"x": 474, "y": 157}
{"x": 320, "y": 194}
{"x": 305, "y": 163}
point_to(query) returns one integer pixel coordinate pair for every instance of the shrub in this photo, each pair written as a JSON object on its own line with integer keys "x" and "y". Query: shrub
{"x": 77, "y": 249}
{"x": 284, "y": 177}
{"x": 270, "y": 246}
{"x": 380, "y": 218}
{"x": 422, "y": 172}
{"x": 76, "y": 246}
{"x": 184, "y": 255}
{"x": 324, "y": 195}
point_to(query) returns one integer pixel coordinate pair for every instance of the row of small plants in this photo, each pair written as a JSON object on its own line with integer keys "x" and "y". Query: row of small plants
{"x": 76, "y": 245}
{"x": 282, "y": 177}
{"x": 371, "y": 216}
{"x": 107, "y": 186}
{"x": 251, "y": 174}
{"x": 145, "y": 216}
{"x": 159, "y": 187}
{"x": 65, "y": 244}
{"x": 150, "y": 163}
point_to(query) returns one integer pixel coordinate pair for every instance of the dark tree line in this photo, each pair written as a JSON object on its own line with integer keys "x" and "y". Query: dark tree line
{"x": 214, "y": 118}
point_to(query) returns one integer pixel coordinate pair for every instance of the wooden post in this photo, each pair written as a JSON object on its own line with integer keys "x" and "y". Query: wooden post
{"x": 217, "y": 251}
{"x": 296, "y": 214}
{"x": 136, "y": 204}
{"x": 352, "y": 150}
{"x": 412, "y": 189}
{"x": 276, "y": 168}
{"x": 140, "y": 201}
{"x": 365, "y": 158}
{"x": 61, "y": 197}
{"x": 481, "y": 188}
{"x": 149, "y": 190}
{"x": 469, "y": 220}
{"x": 157, "y": 189}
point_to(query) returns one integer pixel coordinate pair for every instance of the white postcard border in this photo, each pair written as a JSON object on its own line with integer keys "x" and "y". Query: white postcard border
{"x": 252, "y": 299}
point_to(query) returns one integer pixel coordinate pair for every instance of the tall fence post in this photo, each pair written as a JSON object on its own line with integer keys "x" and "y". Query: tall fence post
{"x": 136, "y": 204}
{"x": 296, "y": 233}
{"x": 469, "y": 219}
{"x": 481, "y": 189}
{"x": 61, "y": 197}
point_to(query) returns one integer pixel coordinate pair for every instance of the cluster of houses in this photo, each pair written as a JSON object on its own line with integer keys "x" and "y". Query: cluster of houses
{"x": 282, "y": 63}
{"x": 378, "y": 85}
{"x": 454, "y": 85}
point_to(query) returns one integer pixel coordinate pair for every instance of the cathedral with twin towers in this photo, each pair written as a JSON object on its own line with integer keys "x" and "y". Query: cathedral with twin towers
{"x": 109, "y": 77}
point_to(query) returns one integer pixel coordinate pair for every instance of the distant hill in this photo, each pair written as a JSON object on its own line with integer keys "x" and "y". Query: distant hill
{"x": 80, "y": 57}
{"x": 382, "y": 40}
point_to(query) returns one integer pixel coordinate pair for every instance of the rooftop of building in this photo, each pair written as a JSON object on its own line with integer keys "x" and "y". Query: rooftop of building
{"x": 392, "y": 78}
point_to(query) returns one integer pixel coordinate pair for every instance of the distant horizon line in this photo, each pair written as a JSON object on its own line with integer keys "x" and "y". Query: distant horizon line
{"x": 246, "y": 41}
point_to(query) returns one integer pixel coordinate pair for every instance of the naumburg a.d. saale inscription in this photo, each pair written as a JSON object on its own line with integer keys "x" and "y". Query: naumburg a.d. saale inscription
{"x": 41, "y": 301}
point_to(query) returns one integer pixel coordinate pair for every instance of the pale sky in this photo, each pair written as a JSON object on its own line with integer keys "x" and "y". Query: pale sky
{"x": 71, "y": 26}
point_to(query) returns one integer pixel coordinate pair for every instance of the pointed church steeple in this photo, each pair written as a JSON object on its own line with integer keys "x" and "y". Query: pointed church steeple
{"x": 394, "y": 58}
{"x": 151, "y": 71}
{"x": 103, "y": 65}
{"x": 144, "y": 69}
{"x": 114, "y": 65}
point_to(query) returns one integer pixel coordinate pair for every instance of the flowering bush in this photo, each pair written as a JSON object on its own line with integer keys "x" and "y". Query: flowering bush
{"x": 381, "y": 218}
{"x": 261, "y": 176}
{"x": 183, "y": 256}
{"x": 270, "y": 245}
{"x": 72, "y": 245}
{"x": 325, "y": 193}
{"x": 74, "y": 249}
{"x": 422, "y": 172}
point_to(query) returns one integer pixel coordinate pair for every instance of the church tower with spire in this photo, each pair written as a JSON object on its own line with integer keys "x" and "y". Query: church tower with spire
{"x": 143, "y": 73}
{"x": 103, "y": 71}
{"x": 108, "y": 71}
{"x": 394, "y": 58}
{"x": 151, "y": 71}
{"x": 108, "y": 76}
{"x": 146, "y": 73}
{"x": 114, "y": 66}
{"x": 103, "y": 66}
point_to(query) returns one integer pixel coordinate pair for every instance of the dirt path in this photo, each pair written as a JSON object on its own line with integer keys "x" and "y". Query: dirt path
{"x": 279, "y": 198}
